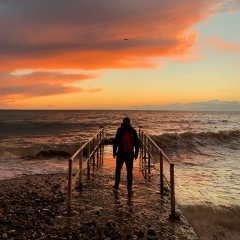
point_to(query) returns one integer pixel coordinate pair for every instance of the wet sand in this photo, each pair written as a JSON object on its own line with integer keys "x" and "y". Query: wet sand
{"x": 33, "y": 207}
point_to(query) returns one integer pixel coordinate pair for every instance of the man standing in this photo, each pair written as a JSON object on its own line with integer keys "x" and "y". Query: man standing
{"x": 125, "y": 148}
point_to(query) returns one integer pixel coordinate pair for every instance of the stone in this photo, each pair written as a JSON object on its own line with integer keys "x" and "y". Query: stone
{"x": 128, "y": 236}
{"x": 139, "y": 233}
{"x": 4, "y": 236}
{"x": 151, "y": 232}
{"x": 53, "y": 153}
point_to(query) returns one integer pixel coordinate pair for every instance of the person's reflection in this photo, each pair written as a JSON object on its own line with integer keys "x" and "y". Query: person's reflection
{"x": 121, "y": 209}
{"x": 130, "y": 206}
{"x": 116, "y": 197}
{"x": 117, "y": 203}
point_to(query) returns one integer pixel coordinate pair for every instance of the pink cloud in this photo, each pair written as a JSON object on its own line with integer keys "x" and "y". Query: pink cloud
{"x": 230, "y": 6}
{"x": 218, "y": 45}
{"x": 50, "y": 77}
{"x": 90, "y": 35}
{"x": 35, "y": 84}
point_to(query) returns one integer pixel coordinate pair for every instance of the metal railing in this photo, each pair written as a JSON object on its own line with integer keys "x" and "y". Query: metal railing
{"x": 147, "y": 146}
{"x": 94, "y": 149}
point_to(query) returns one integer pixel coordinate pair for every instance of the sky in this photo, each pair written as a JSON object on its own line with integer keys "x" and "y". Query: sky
{"x": 107, "y": 54}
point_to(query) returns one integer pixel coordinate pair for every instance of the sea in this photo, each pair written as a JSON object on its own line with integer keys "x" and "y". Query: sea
{"x": 204, "y": 146}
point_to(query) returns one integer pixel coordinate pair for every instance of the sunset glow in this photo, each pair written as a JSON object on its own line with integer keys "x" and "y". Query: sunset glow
{"x": 118, "y": 54}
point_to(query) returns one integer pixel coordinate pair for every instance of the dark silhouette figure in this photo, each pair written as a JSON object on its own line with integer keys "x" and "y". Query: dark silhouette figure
{"x": 123, "y": 156}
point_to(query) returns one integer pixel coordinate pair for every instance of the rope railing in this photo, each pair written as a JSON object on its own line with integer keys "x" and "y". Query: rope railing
{"x": 94, "y": 146}
{"x": 147, "y": 145}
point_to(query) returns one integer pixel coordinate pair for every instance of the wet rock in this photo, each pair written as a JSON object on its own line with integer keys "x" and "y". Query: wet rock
{"x": 139, "y": 234}
{"x": 84, "y": 236}
{"x": 34, "y": 207}
{"x": 128, "y": 236}
{"x": 53, "y": 153}
{"x": 95, "y": 223}
{"x": 108, "y": 141}
{"x": 98, "y": 212}
{"x": 151, "y": 232}
{"x": 111, "y": 224}
{"x": 4, "y": 236}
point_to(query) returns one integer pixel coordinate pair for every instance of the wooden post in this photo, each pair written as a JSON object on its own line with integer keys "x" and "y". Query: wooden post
{"x": 141, "y": 148}
{"x": 149, "y": 155}
{"x": 145, "y": 149}
{"x": 88, "y": 159}
{"x": 80, "y": 171}
{"x": 69, "y": 202}
{"x": 172, "y": 189}
{"x": 161, "y": 173}
{"x": 97, "y": 149}
{"x": 173, "y": 214}
{"x": 102, "y": 141}
{"x": 93, "y": 156}
{"x": 101, "y": 136}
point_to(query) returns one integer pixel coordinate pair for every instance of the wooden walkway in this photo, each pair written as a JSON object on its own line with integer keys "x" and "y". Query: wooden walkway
{"x": 144, "y": 215}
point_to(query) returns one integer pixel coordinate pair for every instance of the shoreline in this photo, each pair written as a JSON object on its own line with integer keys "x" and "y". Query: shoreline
{"x": 32, "y": 207}
{"x": 29, "y": 205}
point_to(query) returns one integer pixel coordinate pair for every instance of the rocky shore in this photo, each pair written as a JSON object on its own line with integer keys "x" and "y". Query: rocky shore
{"x": 34, "y": 207}
{"x": 29, "y": 206}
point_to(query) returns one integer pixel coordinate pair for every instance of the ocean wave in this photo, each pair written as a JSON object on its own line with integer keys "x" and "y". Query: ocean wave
{"x": 39, "y": 151}
{"x": 197, "y": 143}
{"x": 5, "y": 126}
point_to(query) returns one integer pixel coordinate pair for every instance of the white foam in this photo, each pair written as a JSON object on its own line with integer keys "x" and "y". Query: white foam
{"x": 18, "y": 167}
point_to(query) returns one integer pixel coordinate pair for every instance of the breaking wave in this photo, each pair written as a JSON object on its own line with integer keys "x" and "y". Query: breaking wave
{"x": 39, "y": 151}
{"x": 197, "y": 143}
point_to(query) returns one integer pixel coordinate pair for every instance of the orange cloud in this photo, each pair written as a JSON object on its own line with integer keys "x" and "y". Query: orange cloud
{"x": 35, "y": 84}
{"x": 94, "y": 90}
{"x": 50, "y": 77}
{"x": 91, "y": 35}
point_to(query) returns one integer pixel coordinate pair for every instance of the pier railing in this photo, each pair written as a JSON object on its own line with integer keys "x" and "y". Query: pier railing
{"x": 148, "y": 146}
{"x": 93, "y": 149}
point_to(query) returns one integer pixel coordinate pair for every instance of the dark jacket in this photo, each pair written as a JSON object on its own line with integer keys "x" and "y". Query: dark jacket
{"x": 117, "y": 146}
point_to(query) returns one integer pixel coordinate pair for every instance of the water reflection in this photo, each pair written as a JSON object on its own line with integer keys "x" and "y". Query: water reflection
{"x": 123, "y": 206}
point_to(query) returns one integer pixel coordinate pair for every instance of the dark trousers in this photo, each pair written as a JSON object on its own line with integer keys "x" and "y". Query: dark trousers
{"x": 129, "y": 166}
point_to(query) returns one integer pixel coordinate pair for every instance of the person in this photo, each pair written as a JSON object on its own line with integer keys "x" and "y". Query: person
{"x": 122, "y": 156}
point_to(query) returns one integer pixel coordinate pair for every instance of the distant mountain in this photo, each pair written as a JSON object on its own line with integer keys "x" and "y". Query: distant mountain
{"x": 213, "y": 105}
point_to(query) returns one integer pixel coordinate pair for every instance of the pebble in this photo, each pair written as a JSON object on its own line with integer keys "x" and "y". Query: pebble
{"x": 4, "y": 235}
{"x": 151, "y": 232}
{"x": 37, "y": 213}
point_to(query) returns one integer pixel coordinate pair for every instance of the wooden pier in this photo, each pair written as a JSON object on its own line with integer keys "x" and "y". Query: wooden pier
{"x": 151, "y": 210}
